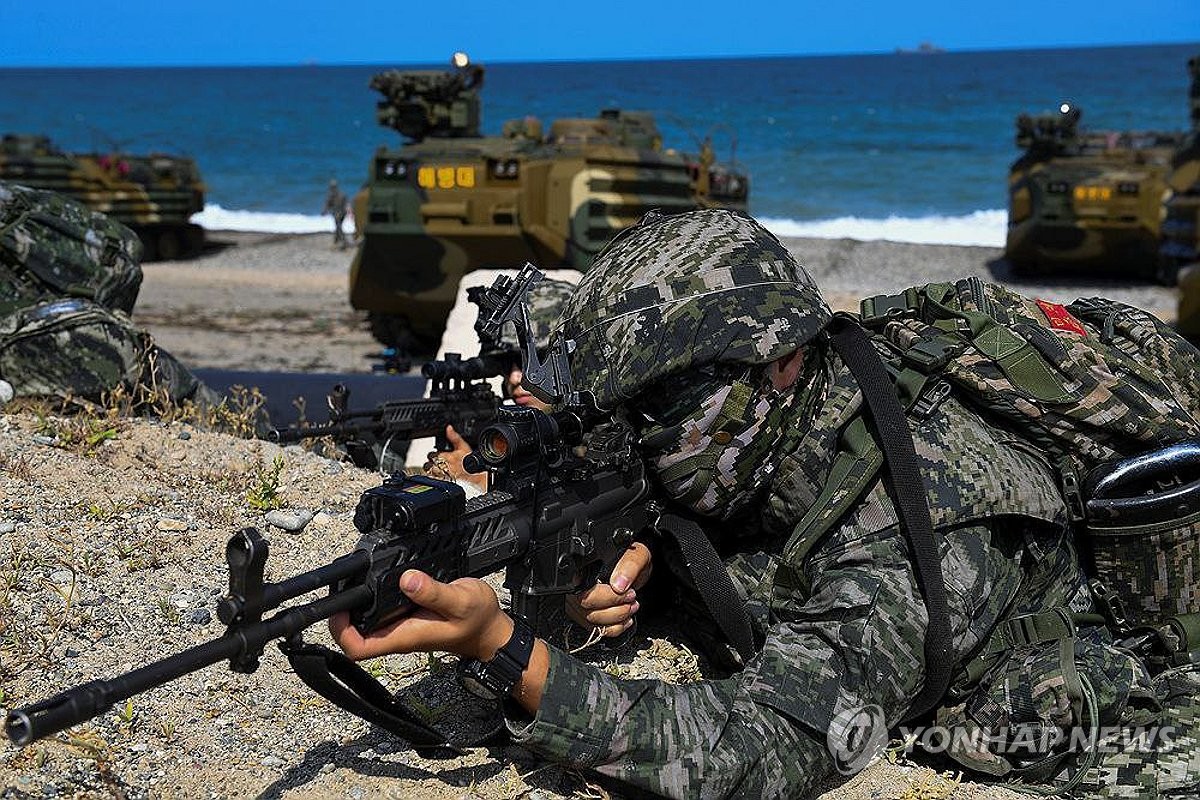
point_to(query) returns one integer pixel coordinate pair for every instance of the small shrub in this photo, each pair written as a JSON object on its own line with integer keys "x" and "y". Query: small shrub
{"x": 265, "y": 494}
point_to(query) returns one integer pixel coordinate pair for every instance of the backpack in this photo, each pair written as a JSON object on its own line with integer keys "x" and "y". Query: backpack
{"x": 52, "y": 246}
{"x": 1111, "y": 396}
{"x": 74, "y": 347}
{"x": 1108, "y": 392}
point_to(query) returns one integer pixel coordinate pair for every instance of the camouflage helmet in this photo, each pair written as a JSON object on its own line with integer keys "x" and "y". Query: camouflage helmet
{"x": 682, "y": 292}
{"x": 545, "y": 302}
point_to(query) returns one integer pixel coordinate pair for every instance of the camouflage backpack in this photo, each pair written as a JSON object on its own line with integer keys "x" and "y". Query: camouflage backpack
{"x": 74, "y": 347}
{"x": 52, "y": 246}
{"x": 1111, "y": 397}
{"x": 1095, "y": 385}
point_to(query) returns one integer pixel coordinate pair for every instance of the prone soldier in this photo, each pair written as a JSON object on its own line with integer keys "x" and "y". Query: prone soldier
{"x": 851, "y": 612}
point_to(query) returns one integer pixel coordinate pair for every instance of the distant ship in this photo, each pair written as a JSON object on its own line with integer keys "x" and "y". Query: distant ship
{"x": 923, "y": 49}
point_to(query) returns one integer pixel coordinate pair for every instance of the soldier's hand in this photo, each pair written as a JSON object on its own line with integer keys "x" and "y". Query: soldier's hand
{"x": 519, "y": 394}
{"x": 461, "y": 617}
{"x": 449, "y": 465}
{"x": 612, "y": 606}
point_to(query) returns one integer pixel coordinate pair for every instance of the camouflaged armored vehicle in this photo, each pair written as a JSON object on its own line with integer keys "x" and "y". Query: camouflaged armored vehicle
{"x": 451, "y": 200}
{"x": 1181, "y": 221}
{"x": 155, "y": 195}
{"x": 1188, "y": 320}
{"x": 1086, "y": 200}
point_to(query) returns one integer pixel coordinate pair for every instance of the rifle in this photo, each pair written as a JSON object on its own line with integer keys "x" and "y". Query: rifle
{"x": 557, "y": 519}
{"x": 459, "y": 395}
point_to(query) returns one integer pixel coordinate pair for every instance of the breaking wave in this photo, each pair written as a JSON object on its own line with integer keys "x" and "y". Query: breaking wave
{"x": 216, "y": 218}
{"x": 980, "y": 228}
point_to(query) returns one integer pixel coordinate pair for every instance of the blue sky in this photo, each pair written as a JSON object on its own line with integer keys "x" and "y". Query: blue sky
{"x": 164, "y": 32}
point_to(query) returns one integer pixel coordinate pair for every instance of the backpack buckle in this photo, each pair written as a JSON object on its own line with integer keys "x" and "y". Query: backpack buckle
{"x": 931, "y": 398}
{"x": 875, "y": 311}
{"x": 1073, "y": 494}
{"x": 1039, "y": 627}
{"x": 930, "y": 353}
{"x": 1110, "y": 605}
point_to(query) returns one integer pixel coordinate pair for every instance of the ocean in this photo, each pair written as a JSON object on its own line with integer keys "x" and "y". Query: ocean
{"x": 906, "y": 147}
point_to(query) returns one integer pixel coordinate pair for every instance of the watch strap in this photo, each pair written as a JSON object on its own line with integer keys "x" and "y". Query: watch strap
{"x": 503, "y": 671}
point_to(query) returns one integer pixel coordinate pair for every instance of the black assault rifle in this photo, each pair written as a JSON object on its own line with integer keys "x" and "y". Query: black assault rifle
{"x": 459, "y": 395}
{"x": 558, "y": 518}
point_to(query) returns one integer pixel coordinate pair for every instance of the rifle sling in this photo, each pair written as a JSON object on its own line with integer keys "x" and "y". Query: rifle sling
{"x": 727, "y": 607}
{"x": 910, "y": 496}
{"x": 345, "y": 684}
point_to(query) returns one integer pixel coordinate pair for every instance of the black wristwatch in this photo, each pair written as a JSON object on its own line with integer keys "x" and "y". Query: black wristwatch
{"x": 494, "y": 679}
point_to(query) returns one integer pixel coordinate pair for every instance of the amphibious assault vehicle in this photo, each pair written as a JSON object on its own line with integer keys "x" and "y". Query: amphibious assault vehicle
{"x": 1188, "y": 319}
{"x": 155, "y": 194}
{"x": 1087, "y": 200}
{"x": 1181, "y": 223}
{"x": 451, "y": 200}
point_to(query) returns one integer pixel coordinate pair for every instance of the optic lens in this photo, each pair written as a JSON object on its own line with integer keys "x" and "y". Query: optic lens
{"x": 493, "y": 446}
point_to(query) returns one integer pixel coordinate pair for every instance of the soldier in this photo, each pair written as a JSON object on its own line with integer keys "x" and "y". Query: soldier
{"x": 69, "y": 278}
{"x": 338, "y": 206}
{"x": 545, "y": 303}
{"x": 707, "y": 335}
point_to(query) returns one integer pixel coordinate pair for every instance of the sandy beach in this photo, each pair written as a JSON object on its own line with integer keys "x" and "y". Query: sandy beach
{"x": 279, "y": 302}
{"x": 112, "y": 549}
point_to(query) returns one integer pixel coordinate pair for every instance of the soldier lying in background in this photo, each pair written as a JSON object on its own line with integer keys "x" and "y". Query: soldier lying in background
{"x": 69, "y": 278}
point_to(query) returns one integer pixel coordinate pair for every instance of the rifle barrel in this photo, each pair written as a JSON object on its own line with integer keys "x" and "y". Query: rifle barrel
{"x": 28, "y": 724}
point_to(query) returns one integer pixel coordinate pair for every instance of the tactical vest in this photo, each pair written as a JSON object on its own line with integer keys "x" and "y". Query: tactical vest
{"x": 52, "y": 246}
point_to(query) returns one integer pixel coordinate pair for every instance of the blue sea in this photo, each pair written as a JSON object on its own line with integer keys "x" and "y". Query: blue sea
{"x": 904, "y": 147}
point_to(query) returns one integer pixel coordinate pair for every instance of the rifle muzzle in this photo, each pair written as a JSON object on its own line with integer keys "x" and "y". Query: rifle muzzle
{"x": 26, "y": 725}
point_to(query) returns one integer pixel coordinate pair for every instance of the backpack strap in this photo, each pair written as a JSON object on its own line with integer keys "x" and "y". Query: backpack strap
{"x": 911, "y": 497}
{"x": 712, "y": 582}
{"x": 1027, "y": 629}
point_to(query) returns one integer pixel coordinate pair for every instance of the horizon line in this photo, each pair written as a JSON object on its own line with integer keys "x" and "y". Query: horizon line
{"x": 897, "y": 51}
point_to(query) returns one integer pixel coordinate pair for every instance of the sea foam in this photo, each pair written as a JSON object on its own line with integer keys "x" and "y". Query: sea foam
{"x": 981, "y": 228}
{"x": 216, "y": 218}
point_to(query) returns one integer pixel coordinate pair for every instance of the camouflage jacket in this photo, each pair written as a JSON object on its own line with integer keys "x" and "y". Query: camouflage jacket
{"x": 842, "y": 620}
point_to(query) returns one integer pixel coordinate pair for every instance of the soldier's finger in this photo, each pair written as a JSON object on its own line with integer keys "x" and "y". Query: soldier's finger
{"x": 438, "y": 597}
{"x": 602, "y": 596}
{"x": 613, "y": 616}
{"x": 632, "y": 569}
{"x": 613, "y": 631}
{"x": 354, "y": 644}
{"x": 452, "y": 436}
{"x": 577, "y": 614}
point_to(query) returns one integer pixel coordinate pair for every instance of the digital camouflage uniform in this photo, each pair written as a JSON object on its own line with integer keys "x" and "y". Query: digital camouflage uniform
{"x": 53, "y": 246}
{"x": 711, "y": 296}
{"x": 69, "y": 277}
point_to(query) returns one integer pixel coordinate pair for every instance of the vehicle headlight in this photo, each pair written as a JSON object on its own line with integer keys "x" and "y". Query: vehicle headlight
{"x": 506, "y": 170}
{"x": 394, "y": 169}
